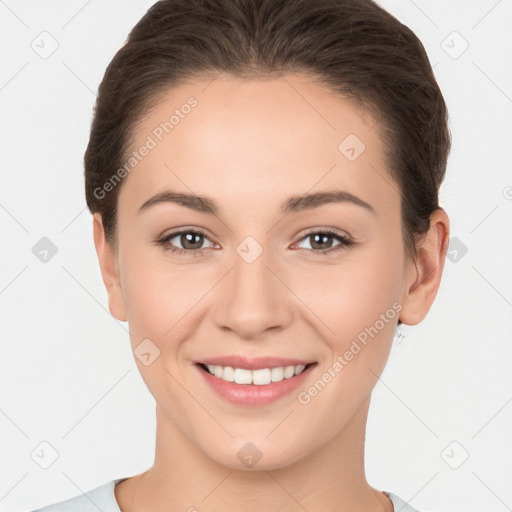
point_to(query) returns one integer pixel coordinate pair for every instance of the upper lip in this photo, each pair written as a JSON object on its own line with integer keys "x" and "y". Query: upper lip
{"x": 254, "y": 363}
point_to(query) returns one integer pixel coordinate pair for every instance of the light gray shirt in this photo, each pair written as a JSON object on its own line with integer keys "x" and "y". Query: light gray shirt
{"x": 103, "y": 498}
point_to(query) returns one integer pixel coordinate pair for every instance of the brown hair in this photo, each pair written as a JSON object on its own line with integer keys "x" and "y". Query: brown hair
{"x": 355, "y": 47}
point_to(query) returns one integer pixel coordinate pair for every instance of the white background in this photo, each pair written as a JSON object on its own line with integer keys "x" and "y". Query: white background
{"x": 67, "y": 374}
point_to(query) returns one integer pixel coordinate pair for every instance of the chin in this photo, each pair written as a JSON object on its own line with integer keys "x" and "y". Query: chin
{"x": 256, "y": 455}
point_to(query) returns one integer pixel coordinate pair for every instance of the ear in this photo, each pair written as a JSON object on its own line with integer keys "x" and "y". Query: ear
{"x": 109, "y": 270}
{"x": 424, "y": 276}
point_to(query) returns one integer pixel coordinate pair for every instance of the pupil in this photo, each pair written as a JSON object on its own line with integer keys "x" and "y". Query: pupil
{"x": 319, "y": 239}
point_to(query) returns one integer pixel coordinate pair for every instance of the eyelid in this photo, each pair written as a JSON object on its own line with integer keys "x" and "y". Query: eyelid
{"x": 326, "y": 229}
{"x": 180, "y": 231}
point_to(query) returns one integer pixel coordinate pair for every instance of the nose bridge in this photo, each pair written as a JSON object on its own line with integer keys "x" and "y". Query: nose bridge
{"x": 252, "y": 298}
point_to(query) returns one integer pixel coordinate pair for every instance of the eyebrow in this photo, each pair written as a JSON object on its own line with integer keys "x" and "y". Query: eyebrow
{"x": 293, "y": 204}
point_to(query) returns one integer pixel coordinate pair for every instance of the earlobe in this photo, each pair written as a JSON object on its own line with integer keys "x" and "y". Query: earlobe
{"x": 425, "y": 273}
{"x": 109, "y": 270}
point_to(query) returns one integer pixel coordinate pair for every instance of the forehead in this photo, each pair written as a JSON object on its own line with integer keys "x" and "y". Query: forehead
{"x": 244, "y": 141}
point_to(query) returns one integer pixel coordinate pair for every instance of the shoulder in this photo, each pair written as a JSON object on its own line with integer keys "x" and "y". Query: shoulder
{"x": 399, "y": 504}
{"x": 101, "y": 498}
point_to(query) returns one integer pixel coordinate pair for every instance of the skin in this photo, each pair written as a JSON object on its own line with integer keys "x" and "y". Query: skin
{"x": 249, "y": 145}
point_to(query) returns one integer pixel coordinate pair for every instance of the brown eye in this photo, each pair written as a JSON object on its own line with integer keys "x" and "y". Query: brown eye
{"x": 322, "y": 241}
{"x": 190, "y": 239}
{"x": 191, "y": 242}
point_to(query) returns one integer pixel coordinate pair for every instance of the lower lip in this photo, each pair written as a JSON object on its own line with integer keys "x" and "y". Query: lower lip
{"x": 251, "y": 394}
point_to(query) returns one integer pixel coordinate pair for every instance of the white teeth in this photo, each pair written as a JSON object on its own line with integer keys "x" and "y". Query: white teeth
{"x": 262, "y": 377}
{"x": 257, "y": 377}
{"x": 289, "y": 371}
{"x": 228, "y": 374}
{"x": 277, "y": 374}
{"x": 241, "y": 376}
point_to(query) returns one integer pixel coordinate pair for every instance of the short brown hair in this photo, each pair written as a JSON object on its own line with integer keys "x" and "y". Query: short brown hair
{"x": 354, "y": 46}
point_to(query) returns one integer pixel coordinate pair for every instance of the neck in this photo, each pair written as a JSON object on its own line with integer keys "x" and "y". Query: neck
{"x": 183, "y": 478}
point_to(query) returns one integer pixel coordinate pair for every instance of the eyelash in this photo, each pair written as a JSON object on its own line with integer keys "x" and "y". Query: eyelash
{"x": 164, "y": 242}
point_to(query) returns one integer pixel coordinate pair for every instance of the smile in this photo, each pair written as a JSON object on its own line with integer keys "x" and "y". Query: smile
{"x": 260, "y": 377}
{"x": 262, "y": 383}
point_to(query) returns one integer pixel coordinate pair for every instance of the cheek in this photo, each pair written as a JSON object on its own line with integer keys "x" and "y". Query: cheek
{"x": 355, "y": 307}
{"x": 159, "y": 294}
{"x": 358, "y": 308}
{"x": 352, "y": 295}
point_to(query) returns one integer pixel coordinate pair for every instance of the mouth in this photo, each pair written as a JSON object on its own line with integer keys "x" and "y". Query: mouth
{"x": 254, "y": 382}
{"x": 256, "y": 377}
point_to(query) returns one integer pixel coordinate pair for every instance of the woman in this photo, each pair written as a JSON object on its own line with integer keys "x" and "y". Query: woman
{"x": 263, "y": 177}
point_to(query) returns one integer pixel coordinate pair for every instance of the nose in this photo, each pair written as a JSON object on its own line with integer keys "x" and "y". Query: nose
{"x": 253, "y": 298}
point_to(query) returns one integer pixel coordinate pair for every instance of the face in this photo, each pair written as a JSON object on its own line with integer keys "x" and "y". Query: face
{"x": 256, "y": 275}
